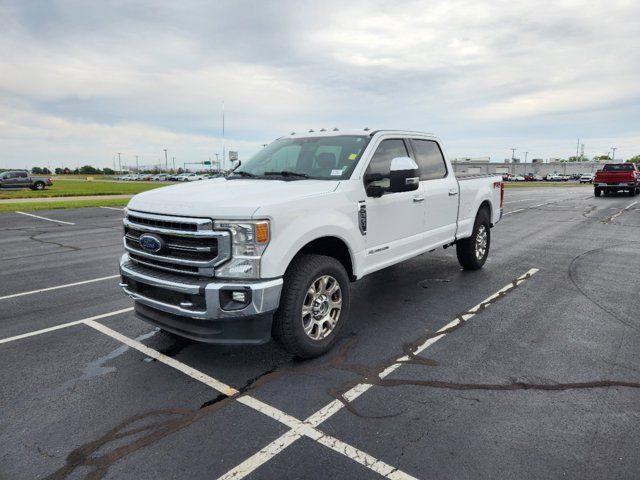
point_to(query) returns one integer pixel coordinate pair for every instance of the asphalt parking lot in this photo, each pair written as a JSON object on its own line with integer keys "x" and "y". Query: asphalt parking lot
{"x": 528, "y": 368}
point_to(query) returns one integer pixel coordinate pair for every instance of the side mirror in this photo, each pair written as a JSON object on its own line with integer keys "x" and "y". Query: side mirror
{"x": 404, "y": 175}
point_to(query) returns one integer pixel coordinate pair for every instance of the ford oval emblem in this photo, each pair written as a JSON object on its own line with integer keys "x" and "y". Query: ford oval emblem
{"x": 151, "y": 243}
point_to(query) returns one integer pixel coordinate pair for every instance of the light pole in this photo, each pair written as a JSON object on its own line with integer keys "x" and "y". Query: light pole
{"x": 513, "y": 154}
{"x": 137, "y": 165}
{"x": 119, "y": 163}
{"x": 613, "y": 155}
{"x": 174, "y": 163}
{"x": 166, "y": 161}
{"x": 525, "y": 156}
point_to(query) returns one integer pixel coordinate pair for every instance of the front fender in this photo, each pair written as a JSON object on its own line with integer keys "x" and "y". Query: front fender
{"x": 298, "y": 227}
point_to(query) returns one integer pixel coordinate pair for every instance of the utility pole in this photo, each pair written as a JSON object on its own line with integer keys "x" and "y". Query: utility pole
{"x": 166, "y": 161}
{"x": 137, "y": 165}
{"x": 525, "y": 156}
{"x": 119, "y": 163}
{"x": 513, "y": 154}
{"x": 613, "y": 155}
{"x": 223, "y": 140}
{"x": 174, "y": 163}
{"x": 577, "y": 148}
{"x": 217, "y": 162}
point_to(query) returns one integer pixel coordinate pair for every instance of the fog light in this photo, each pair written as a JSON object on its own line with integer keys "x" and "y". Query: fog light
{"x": 240, "y": 297}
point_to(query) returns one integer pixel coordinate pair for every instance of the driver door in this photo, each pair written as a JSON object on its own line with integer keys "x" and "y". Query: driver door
{"x": 395, "y": 221}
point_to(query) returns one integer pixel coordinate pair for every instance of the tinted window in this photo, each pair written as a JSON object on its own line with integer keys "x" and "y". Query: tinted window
{"x": 21, "y": 175}
{"x": 381, "y": 160}
{"x": 429, "y": 158}
{"x": 618, "y": 167}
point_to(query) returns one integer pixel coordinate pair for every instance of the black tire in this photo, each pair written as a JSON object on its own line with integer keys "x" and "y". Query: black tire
{"x": 288, "y": 324}
{"x": 597, "y": 192}
{"x": 632, "y": 192}
{"x": 466, "y": 248}
{"x": 38, "y": 186}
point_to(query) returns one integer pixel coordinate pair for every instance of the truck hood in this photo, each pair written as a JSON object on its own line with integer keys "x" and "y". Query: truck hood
{"x": 227, "y": 199}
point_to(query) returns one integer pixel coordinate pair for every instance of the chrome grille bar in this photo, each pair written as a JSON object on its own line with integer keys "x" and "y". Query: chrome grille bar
{"x": 187, "y": 243}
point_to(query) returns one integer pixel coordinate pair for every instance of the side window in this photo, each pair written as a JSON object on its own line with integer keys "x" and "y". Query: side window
{"x": 429, "y": 158}
{"x": 21, "y": 175}
{"x": 381, "y": 160}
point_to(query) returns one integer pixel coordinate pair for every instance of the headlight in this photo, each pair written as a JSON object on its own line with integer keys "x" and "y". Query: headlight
{"x": 249, "y": 239}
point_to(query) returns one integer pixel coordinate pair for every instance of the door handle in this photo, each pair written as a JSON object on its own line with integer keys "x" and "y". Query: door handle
{"x": 453, "y": 192}
{"x": 418, "y": 199}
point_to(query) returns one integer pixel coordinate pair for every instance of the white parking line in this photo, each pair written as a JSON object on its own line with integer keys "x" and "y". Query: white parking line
{"x": 114, "y": 208}
{"x": 622, "y": 211}
{"x": 514, "y": 211}
{"x": 298, "y": 427}
{"x": 65, "y": 325}
{"x": 48, "y": 289}
{"x": 186, "y": 369}
{"x": 278, "y": 445}
{"x": 44, "y": 218}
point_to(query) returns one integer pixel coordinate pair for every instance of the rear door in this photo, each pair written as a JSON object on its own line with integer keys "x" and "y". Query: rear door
{"x": 22, "y": 179}
{"x": 395, "y": 221}
{"x": 440, "y": 190}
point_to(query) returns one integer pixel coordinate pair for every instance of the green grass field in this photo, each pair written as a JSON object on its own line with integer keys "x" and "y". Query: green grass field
{"x": 44, "y": 205}
{"x": 79, "y": 187}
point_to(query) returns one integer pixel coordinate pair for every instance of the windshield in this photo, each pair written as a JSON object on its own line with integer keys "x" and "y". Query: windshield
{"x": 325, "y": 158}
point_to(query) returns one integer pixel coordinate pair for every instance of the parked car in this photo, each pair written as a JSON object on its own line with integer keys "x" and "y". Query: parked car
{"x": 554, "y": 177}
{"x": 517, "y": 178}
{"x": 586, "y": 178}
{"x": 22, "y": 179}
{"x": 191, "y": 177}
{"x": 615, "y": 177}
{"x": 286, "y": 241}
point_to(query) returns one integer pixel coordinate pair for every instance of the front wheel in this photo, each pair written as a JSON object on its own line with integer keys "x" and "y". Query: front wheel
{"x": 473, "y": 251}
{"x": 314, "y": 306}
{"x": 39, "y": 186}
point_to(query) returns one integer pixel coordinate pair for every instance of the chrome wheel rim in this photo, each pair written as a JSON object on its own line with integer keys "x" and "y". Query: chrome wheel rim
{"x": 321, "y": 307}
{"x": 481, "y": 242}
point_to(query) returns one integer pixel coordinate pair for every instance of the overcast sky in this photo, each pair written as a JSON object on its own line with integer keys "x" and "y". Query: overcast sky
{"x": 81, "y": 80}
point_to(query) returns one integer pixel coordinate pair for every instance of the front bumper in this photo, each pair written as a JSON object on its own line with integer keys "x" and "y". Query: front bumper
{"x": 201, "y": 308}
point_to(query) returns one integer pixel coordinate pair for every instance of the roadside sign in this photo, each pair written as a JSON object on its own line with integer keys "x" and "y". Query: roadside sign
{"x": 233, "y": 156}
{"x": 206, "y": 162}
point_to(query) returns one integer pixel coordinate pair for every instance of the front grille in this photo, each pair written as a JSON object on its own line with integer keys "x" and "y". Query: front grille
{"x": 171, "y": 225}
{"x": 190, "y": 245}
{"x": 201, "y": 249}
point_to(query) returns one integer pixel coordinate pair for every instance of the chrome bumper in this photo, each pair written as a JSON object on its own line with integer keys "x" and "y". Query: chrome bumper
{"x": 265, "y": 294}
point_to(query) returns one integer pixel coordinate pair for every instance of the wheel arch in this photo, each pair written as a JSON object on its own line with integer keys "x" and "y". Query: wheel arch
{"x": 331, "y": 246}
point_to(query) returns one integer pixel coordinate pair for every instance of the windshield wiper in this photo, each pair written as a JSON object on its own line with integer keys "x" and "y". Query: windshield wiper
{"x": 243, "y": 174}
{"x": 288, "y": 173}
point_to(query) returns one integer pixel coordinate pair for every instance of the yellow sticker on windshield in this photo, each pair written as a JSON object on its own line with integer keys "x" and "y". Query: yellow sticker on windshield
{"x": 353, "y": 156}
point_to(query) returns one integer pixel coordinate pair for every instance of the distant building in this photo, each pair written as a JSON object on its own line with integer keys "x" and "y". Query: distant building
{"x": 471, "y": 159}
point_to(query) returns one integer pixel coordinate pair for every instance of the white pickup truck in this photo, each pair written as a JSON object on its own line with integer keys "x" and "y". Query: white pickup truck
{"x": 271, "y": 249}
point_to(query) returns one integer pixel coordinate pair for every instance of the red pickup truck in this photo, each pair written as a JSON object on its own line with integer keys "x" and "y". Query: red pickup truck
{"x": 615, "y": 177}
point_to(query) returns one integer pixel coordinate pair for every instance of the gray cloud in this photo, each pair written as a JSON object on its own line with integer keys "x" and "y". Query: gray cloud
{"x": 82, "y": 80}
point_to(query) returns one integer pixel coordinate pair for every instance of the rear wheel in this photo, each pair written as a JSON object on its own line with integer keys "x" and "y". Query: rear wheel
{"x": 38, "y": 186}
{"x": 314, "y": 306}
{"x": 473, "y": 251}
{"x": 597, "y": 192}
{"x": 632, "y": 192}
